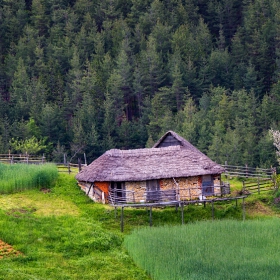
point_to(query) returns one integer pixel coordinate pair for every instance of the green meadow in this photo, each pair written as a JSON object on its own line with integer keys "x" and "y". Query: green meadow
{"x": 62, "y": 234}
{"x": 225, "y": 249}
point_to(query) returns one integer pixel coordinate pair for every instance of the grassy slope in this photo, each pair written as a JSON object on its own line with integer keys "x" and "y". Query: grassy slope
{"x": 64, "y": 235}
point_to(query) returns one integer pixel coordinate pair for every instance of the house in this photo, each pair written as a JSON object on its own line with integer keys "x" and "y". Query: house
{"x": 173, "y": 170}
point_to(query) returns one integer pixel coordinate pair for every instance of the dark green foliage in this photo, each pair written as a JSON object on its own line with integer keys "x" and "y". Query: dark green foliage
{"x": 95, "y": 75}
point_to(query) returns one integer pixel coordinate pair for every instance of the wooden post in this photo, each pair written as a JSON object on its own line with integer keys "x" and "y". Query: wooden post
{"x": 182, "y": 213}
{"x": 212, "y": 210}
{"x": 122, "y": 220}
{"x": 85, "y": 159}
{"x": 243, "y": 186}
{"x": 236, "y": 203}
{"x": 79, "y": 164}
{"x": 226, "y": 170}
{"x": 69, "y": 170}
{"x": 150, "y": 216}
{"x": 259, "y": 185}
{"x": 64, "y": 159}
{"x": 243, "y": 208}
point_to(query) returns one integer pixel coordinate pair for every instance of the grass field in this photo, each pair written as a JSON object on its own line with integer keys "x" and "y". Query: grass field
{"x": 209, "y": 250}
{"x": 61, "y": 234}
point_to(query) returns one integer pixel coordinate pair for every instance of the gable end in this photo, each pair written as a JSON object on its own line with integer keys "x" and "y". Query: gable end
{"x": 169, "y": 140}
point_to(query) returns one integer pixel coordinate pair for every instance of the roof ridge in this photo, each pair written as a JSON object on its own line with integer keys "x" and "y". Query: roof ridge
{"x": 136, "y": 152}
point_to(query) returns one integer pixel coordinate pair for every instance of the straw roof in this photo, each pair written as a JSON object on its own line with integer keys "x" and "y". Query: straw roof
{"x": 148, "y": 164}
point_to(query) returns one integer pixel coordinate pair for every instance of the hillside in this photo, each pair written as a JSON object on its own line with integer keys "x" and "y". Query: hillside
{"x": 85, "y": 76}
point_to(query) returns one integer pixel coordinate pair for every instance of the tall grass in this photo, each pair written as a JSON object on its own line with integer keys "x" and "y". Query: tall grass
{"x": 209, "y": 250}
{"x": 19, "y": 177}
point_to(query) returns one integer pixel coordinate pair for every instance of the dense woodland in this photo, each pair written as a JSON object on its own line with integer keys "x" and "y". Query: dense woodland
{"x": 85, "y": 76}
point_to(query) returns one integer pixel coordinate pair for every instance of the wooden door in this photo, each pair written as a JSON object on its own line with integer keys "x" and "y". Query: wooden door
{"x": 207, "y": 185}
{"x": 153, "y": 191}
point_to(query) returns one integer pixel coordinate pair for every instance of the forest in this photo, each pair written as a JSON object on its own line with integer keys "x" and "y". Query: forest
{"x": 83, "y": 76}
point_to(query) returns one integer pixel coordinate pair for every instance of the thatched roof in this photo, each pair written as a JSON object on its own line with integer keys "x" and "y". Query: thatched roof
{"x": 148, "y": 164}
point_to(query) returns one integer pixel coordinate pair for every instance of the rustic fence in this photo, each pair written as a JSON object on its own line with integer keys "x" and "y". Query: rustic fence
{"x": 262, "y": 185}
{"x": 259, "y": 179}
{"x": 70, "y": 167}
{"x": 22, "y": 158}
{"x": 121, "y": 196}
{"x": 249, "y": 172}
{"x": 66, "y": 167}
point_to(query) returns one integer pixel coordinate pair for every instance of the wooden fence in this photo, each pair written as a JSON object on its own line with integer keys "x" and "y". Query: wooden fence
{"x": 70, "y": 167}
{"x": 249, "y": 172}
{"x": 30, "y": 159}
{"x": 262, "y": 185}
{"x": 259, "y": 179}
{"x": 22, "y": 158}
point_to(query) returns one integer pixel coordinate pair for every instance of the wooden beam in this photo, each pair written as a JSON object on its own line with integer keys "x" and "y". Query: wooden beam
{"x": 122, "y": 223}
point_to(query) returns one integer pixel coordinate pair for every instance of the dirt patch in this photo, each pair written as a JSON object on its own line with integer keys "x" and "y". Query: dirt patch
{"x": 7, "y": 251}
{"x": 19, "y": 212}
{"x": 259, "y": 209}
{"x": 44, "y": 190}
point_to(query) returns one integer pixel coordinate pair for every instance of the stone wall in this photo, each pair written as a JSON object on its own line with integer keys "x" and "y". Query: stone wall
{"x": 190, "y": 187}
{"x": 217, "y": 184}
{"x": 138, "y": 188}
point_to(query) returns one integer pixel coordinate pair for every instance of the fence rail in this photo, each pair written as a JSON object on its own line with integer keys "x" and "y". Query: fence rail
{"x": 30, "y": 159}
{"x": 249, "y": 172}
{"x": 69, "y": 167}
{"x": 21, "y": 158}
{"x": 262, "y": 185}
{"x": 122, "y": 196}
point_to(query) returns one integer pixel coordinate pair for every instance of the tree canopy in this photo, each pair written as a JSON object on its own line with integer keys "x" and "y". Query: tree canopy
{"x": 93, "y": 75}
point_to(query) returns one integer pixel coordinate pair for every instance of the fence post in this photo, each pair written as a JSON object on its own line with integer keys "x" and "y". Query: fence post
{"x": 243, "y": 186}
{"x": 258, "y": 185}
{"x": 85, "y": 159}
{"x": 79, "y": 164}
{"x": 226, "y": 170}
{"x": 69, "y": 170}
{"x": 122, "y": 220}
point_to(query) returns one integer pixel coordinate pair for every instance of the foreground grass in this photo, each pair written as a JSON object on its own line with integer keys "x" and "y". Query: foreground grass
{"x": 19, "y": 177}
{"x": 64, "y": 244}
{"x": 64, "y": 235}
{"x": 209, "y": 250}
